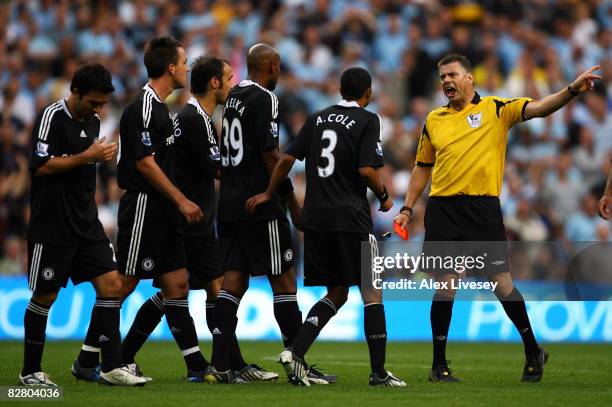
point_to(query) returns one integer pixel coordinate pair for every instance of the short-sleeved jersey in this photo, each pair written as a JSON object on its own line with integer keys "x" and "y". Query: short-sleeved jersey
{"x": 250, "y": 127}
{"x": 336, "y": 142}
{"x": 467, "y": 149}
{"x": 145, "y": 129}
{"x": 63, "y": 207}
{"x": 197, "y": 161}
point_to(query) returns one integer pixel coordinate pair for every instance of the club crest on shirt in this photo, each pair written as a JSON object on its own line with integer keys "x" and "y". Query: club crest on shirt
{"x": 41, "y": 149}
{"x": 474, "y": 119}
{"x": 146, "y": 138}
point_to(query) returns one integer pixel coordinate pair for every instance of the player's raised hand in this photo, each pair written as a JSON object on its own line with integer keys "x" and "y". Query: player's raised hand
{"x": 254, "y": 201}
{"x": 403, "y": 219}
{"x": 586, "y": 80}
{"x": 605, "y": 207}
{"x": 386, "y": 205}
{"x": 190, "y": 211}
{"x": 100, "y": 151}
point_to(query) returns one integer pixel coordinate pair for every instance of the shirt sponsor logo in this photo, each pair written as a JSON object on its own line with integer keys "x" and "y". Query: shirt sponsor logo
{"x": 474, "y": 119}
{"x": 41, "y": 149}
{"x": 146, "y": 138}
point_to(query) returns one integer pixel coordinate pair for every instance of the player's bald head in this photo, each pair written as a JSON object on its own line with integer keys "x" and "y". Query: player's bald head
{"x": 260, "y": 57}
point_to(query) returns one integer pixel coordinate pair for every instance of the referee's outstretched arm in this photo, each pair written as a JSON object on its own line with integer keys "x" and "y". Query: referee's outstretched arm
{"x": 418, "y": 181}
{"x": 551, "y": 103}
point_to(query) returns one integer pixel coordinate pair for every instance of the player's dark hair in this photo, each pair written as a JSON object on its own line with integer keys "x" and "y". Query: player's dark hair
{"x": 354, "y": 82}
{"x": 92, "y": 77}
{"x": 463, "y": 61}
{"x": 203, "y": 70}
{"x": 159, "y": 53}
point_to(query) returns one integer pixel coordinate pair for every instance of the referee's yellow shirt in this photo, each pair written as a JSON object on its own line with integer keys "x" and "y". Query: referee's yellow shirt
{"x": 467, "y": 149}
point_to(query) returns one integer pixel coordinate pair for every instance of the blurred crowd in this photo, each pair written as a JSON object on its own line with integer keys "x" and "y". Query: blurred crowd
{"x": 555, "y": 167}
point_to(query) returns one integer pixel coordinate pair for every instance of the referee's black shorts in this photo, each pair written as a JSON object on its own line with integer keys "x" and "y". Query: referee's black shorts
{"x": 465, "y": 218}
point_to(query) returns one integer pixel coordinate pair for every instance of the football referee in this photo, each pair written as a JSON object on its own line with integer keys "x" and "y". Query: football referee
{"x": 462, "y": 148}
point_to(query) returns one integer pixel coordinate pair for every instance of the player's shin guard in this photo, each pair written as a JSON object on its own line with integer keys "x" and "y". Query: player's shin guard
{"x": 105, "y": 319}
{"x": 35, "y": 324}
{"x": 224, "y": 331}
{"x": 514, "y": 305}
{"x": 288, "y": 316}
{"x": 236, "y": 360}
{"x": 89, "y": 356}
{"x": 184, "y": 333}
{"x": 375, "y": 328}
{"x": 440, "y": 317}
{"x": 317, "y": 318}
{"x": 147, "y": 318}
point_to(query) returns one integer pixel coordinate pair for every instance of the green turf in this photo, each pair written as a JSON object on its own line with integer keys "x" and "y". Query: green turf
{"x": 490, "y": 373}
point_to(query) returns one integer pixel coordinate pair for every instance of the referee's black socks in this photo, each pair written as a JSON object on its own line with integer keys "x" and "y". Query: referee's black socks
{"x": 375, "y": 327}
{"x": 317, "y": 318}
{"x": 184, "y": 333}
{"x": 147, "y": 318}
{"x": 440, "y": 318}
{"x": 515, "y": 308}
{"x": 288, "y": 316}
{"x": 35, "y": 324}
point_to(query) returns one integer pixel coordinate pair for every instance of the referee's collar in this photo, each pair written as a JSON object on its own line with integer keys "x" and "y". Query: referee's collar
{"x": 346, "y": 103}
{"x": 475, "y": 100}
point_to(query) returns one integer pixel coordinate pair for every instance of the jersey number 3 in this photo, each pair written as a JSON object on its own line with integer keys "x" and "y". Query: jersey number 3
{"x": 232, "y": 136}
{"x": 327, "y": 153}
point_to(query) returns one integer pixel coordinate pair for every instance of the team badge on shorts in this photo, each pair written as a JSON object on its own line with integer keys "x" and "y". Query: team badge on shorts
{"x": 48, "y": 273}
{"x": 474, "y": 119}
{"x": 148, "y": 264}
{"x": 288, "y": 256}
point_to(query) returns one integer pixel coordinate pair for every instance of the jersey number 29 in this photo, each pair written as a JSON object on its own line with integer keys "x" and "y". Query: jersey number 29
{"x": 327, "y": 153}
{"x": 232, "y": 136}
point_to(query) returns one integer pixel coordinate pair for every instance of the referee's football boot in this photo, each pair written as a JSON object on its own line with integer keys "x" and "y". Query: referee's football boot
{"x": 254, "y": 373}
{"x": 389, "y": 381}
{"x": 317, "y": 377}
{"x": 295, "y": 367}
{"x": 89, "y": 374}
{"x": 442, "y": 373}
{"x": 213, "y": 376}
{"x": 133, "y": 367}
{"x": 121, "y": 376}
{"x": 37, "y": 379}
{"x": 534, "y": 366}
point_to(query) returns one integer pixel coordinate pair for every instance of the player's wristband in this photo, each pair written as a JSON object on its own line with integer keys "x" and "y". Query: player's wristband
{"x": 407, "y": 209}
{"x": 285, "y": 187}
{"x": 382, "y": 197}
{"x": 572, "y": 91}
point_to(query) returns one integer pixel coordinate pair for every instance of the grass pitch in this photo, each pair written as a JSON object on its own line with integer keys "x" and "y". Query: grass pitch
{"x": 490, "y": 374}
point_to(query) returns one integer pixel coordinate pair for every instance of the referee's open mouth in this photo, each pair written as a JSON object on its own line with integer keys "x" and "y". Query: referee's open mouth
{"x": 450, "y": 91}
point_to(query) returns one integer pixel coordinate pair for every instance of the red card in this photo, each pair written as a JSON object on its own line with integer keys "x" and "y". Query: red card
{"x": 403, "y": 233}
